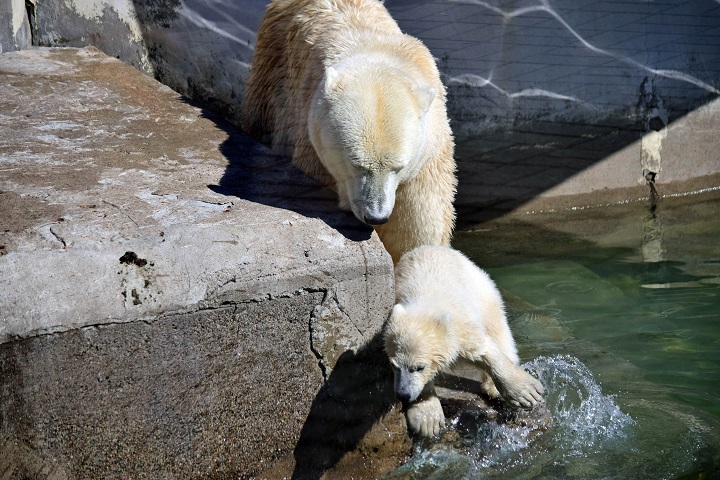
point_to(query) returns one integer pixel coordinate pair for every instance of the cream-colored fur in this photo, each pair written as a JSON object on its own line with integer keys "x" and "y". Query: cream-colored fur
{"x": 448, "y": 310}
{"x": 360, "y": 107}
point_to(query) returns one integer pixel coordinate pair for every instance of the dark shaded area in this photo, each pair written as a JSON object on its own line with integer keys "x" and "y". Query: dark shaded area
{"x": 502, "y": 170}
{"x": 510, "y": 242}
{"x": 255, "y": 174}
{"x": 159, "y": 12}
{"x": 358, "y": 393}
{"x": 454, "y": 382}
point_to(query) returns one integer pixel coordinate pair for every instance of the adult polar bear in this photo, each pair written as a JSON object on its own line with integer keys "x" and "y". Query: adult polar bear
{"x": 360, "y": 107}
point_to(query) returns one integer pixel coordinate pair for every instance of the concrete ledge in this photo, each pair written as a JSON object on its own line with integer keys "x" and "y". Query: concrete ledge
{"x": 560, "y": 166}
{"x": 174, "y": 299}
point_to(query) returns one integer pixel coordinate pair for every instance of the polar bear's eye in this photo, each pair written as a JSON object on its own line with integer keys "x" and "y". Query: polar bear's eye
{"x": 416, "y": 368}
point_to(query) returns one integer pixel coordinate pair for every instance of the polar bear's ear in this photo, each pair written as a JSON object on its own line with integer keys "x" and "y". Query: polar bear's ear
{"x": 398, "y": 309}
{"x": 331, "y": 78}
{"x": 425, "y": 96}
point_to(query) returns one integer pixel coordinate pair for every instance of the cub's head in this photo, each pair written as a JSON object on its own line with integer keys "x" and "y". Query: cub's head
{"x": 419, "y": 345}
{"x": 367, "y": 123}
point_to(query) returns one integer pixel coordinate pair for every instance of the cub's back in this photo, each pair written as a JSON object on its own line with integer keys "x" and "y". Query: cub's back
{"x": 443, "y": 273}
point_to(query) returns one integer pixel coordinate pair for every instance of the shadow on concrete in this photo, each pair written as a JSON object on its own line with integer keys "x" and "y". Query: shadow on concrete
{"x": 256, "y": 174}
{"x": 500, "y": 171}
{"x": 357, "y": 393}
{"x": 527, "y": 116}
{"x": 567, "y": 83}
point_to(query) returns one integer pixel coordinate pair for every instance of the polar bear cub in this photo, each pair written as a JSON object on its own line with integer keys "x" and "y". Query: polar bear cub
{"x": 448, "y": 311}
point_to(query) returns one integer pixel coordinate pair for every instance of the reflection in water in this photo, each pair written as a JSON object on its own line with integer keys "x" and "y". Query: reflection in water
{"x": 652, "y": 248}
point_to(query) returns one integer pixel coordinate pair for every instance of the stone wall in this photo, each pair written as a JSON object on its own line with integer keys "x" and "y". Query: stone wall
{"x": 587, "y": 62}
{"x": 642, "y": 64}
{"x": 15, "y": 31}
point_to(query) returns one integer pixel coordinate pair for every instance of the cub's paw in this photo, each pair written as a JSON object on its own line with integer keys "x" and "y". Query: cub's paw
{"x": 488, "y": 386}
{"x": 425, "y": 417}
{"x": 523, "y": 390}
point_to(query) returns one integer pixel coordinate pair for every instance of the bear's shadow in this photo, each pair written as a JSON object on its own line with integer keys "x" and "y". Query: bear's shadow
{"x": 356, "y": 395}
{"x": 358, "y": 391}
{"x": 256, "y": 174}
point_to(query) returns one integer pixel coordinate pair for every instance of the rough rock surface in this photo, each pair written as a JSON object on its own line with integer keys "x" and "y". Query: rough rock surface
{"x": 175, "y": 301}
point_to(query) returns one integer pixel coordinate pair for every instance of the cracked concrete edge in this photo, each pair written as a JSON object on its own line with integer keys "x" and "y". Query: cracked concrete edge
{"x": 198, "y": 219}
{"x": 60, "y": 289}
{"x": 157, "y": 286}
{"x": 278, "y": 330}
{"x": 333, "y": 332}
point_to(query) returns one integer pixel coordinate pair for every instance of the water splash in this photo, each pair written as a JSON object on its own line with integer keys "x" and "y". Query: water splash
{"x": 585, "y": 419}
{"x": 585, "y": 422}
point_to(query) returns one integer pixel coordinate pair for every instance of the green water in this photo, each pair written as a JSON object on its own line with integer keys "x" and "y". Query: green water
{"x": 618, "y": 310}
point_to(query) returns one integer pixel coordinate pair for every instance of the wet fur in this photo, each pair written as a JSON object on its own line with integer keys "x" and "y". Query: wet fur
{"x": 447, "y": 311}
{"x": 300, "y": 44}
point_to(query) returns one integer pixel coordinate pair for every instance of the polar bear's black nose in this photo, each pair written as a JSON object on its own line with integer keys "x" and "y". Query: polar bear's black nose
{"x": 372, "y": 219}
{"x": 403, "y": 396}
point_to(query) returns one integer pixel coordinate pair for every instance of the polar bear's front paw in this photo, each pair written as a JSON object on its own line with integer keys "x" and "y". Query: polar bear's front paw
{"x": 523, "y": 390}
{"x": 488, "y": 386}
{"x": 426, "y": 417}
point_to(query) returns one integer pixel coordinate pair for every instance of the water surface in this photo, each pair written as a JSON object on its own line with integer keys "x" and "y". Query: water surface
{"x": 617, "y": 310}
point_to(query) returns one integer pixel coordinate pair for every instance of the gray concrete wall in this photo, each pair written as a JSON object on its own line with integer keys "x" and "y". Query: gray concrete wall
{"x": 15, "y": 32}
{"x": 505, "y": 63}
{"x": 588, "y": 62}
{"x": 538, "y": 90}
{"x": 200, "y": 48}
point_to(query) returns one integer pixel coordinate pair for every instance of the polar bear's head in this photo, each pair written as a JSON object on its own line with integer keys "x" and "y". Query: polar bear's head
{"x": 418, "y": 345}
{"x": 367, "y": 123}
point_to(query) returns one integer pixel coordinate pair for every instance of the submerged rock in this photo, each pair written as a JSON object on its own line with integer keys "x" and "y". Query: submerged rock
{"x": 477, "y": 431}
{"x": 468, "y": 413}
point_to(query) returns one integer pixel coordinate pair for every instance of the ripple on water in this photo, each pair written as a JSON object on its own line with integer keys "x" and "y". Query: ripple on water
{"x": 572, "y": 287}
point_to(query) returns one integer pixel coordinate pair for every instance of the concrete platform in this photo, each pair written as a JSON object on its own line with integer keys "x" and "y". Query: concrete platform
{"x": 562, "y": 166}
{"x": 175, "y": 301}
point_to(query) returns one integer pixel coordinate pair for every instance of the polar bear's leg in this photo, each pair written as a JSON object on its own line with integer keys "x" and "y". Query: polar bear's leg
{"x": 488, "y": 386}
{"x": 425, "y": 416}
{"x": 423, "y": 212}
{"x": 515, "y": 385}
